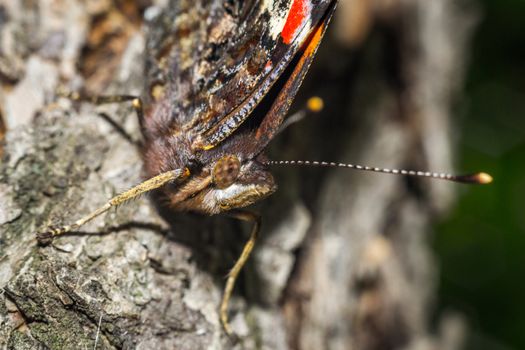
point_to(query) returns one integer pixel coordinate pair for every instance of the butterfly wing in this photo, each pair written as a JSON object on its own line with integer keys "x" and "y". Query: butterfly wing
{"x": 301, "y": 34}
{"x": 218, "y": 59}
{"x": 204, "y": 57}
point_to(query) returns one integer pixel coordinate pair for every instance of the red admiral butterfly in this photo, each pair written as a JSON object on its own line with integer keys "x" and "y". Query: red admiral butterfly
{"x": 206, "y": 112}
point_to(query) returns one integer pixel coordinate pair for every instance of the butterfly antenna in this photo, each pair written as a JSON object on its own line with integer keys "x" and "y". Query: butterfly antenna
{"x": 314, "y": 104}
{"x": 477, "y": 178}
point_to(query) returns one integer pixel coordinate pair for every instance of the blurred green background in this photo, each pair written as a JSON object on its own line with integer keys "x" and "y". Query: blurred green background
{"x": 481, "y": 246}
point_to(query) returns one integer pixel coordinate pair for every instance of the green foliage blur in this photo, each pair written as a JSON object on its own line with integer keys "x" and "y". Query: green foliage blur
{"x": 481, "y": 246}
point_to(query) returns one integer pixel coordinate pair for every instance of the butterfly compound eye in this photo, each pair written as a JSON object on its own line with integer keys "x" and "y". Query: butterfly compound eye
{"x": 226, "y": 171}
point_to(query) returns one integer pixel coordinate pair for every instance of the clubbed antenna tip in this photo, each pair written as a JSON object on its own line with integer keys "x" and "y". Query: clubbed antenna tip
{"x": 315, "y": 104}
{"x": 478, "y": 178}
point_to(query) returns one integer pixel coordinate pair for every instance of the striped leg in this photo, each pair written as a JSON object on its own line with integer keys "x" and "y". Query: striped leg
{"x": 46, "y": 237}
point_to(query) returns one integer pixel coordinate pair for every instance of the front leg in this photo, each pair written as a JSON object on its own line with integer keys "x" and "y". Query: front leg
{"x": 46, "y": 237}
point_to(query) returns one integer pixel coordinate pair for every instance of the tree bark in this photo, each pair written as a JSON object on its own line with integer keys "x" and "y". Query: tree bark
{"x": 344, "y": 259}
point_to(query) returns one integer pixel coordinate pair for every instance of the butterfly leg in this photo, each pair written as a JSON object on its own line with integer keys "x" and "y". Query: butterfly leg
{"x": 47, "y": 236}
{"x": 136, "y": 102}
{"x": 234, "y": 272}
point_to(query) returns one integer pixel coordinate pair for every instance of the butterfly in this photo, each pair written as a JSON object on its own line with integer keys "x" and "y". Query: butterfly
{"x": 219, "y": 79}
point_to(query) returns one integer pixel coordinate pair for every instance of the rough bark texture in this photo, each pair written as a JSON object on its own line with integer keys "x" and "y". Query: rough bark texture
{"x": 343, "y": 262}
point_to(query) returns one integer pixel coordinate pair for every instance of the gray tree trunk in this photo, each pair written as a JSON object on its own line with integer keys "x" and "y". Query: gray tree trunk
{"x": 344, "y": 259}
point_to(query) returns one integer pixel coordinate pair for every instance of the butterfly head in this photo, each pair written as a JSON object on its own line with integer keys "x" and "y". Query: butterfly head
{"x": 226, "y": 184}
